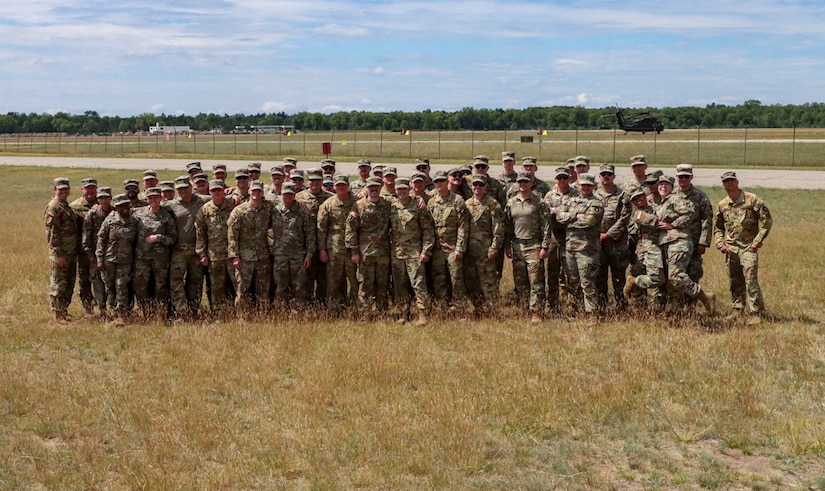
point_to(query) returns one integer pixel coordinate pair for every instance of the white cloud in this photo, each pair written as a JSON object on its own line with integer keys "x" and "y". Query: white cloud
{"x": 378, "y": 70}
{"x": 581, "y": 99}
{"x": 273, "y": 107}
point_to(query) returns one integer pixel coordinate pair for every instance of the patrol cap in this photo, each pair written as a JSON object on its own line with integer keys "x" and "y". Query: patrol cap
{"x": 478, "y": 159}
{"x": 190, "y": 165}
{"x": 256, "y": 185}
{"x": 587, "y": 179}
{"x": 120, "y": 200}
{"x": 422, "y": 163}
{"x": 638, "y": 159}
{"x": 653, "y": 177}
{"x": 583, "y": 159}
{"x": 296, "y": 174}
{"x": 277, "y": 170}
{"x": 607, "y": 169}
{"x": 562, "y": 171}
{"x": 182, "y": 182}
{"x": 254, "y": 166}
{"x": 150, "y": 173}
{"x": 378, "y": 168}
{"x": 132, "y": 183}
{"x": 390, "y": 171}
{"x": 638, "y": 192}
{"x": 290, "y": 161}
{"x": 571, "y": 162}
{"x": 199, "y": 178}
{"x": 314, "y": 174}
{"x": 340, "y": 179}
{"x": 288, "y": 188}
{"x": 667, "y": 179}
{"x": 465, "y": 170}
{"x": 241, "y": 172}
{"x": 374, "y": 181}
{"x": 418, "y": 176}
{"x": 88, "y": 181}
{"x": 729, "y": 175}
{"x": 216, "y": 184}
{"x": 479, "y": 179}
{"x": 440, "y": 175}
{"x": 328, "y": 181}
{"x": 327, "y": 164}
{"x": 104, "y": 192}
{"x": 684, "y": 170}
{"x": 364, "y": 163}
{"x": 164, "y": 186}
{"x": 529, "y": 161}
{"x": 454, "y": 170}
{"x": 402, "y": 183}
{"x": 508, "y": 156}
{"x": 218, "y": 167}
{"x": 524, "y": 175}
{"x": 153, "y": 192}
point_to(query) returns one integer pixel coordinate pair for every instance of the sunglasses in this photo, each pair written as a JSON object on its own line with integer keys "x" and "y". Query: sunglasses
{"x": 562, "y": 178}
{"x": 683, "y": 177}
{"x": 606, "y": 174}
{"x": 477, "y": 185}
{"x": 241, "y": 178}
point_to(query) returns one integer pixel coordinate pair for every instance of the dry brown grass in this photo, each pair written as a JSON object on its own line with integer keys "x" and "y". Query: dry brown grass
{"x": 635, "y": 402}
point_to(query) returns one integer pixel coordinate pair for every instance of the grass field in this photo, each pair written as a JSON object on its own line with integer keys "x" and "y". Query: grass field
{"x": 802, "y": 148}
{"x": 634, "y": 403}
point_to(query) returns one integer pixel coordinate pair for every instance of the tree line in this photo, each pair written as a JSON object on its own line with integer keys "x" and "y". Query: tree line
{"x": 750, "y": 114}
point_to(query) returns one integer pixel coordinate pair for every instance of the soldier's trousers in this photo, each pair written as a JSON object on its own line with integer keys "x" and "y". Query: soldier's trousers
{"x": 528, "y": 266}
{"x": 448, "y": 276}
{"x": 374, "y": 281}
{"x": 98, "y": 286}
{"x": 317, "y": 280}
{"x": 582, "y": 268}
{"x": 253, "y": 275}
{"x": 651, "y": 276}
{"x": 84, "y": 283}
{"x": 695, "y": 269}
{"x": 677, "y": 255}
{"x": 147, "y": 271}
{"x": 555, "y": 270}
{"x": 290, "y": 279}
{"x": 117, "y": 277}
{"x": 185, "y": 281}
{"x": 743, "y": 269}
{"x": 480, "y": 278}
{"x": 61, "y": 283}
{"x": 410, "y": 280}
{"x": 614, "y": 261}
{"x": 342, "y": 280}
{"x": 222, "y": 277}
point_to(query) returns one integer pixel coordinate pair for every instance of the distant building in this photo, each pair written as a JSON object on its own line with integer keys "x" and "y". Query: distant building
{"x": 159, "y": 129}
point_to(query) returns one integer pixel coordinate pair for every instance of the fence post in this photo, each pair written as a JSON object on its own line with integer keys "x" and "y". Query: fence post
{"x": 473, "y": 142}
{"x": 577, "y": 141}
{"x": 745, "y": 149}
{"x": 614, "y": 144}
{"x": 793, "y": 145}
{"x": 698, "y": 144}
{"x": 381, "y": 143}
{"x": 439, "y": 144}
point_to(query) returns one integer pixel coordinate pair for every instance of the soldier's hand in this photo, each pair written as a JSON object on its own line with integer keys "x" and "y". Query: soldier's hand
{"x": 152, "y": 238}
{"x": 509, "y": 253}
{"x": 307, "y": 262}
{"x": 665, "y": 226}
{"x": 236, "y": 263}
{"x": 543, "y": 253}
{"x": 324, "y": 256}
{"x": 101, "y": 267}
{"x": 724, "y": 249}
{"x": 421, "y": 204}
{"x": 700, "y": 249}
{"x": 459, "y": 254}
{"x": 205, "y": 261}
{"x": 356, "y": 258}
{"x": 423, "y": 257}
{"x": 61, "y": 261}
{"x": 753, "y": 248}
{"x": 491, "y": 255}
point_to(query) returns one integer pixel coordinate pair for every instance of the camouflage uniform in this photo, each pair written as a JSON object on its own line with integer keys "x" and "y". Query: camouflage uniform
{"x": 185, "y": 270}
{"x": 540, "y": 189}
{"x": 485, "y": 235}
{"x": 700, "y": 229}
{"x": 367, "y": 234}
{"x": 615, "y": 255}
{"x": 212, "y": 242}
{"x": 61, "y": 235}
{"x": 115, "y": 249}
{"x": 652, "y": 267}
{"x": 450, "y": 217}
{"x": 91, "y": 226}
{"x": 528, "y": 232}
{"x": 357, "y": 186}
{"x": 583, "y": 217}
{"x": 247, "y": 240}
{"x": 555, "y": 267}
{"x": 739, "y": 224}
{"x": 84, "y": 283}
{"x": 411, "y": 235}
{"x": 676, "y": 244}
{"x": 293, "y": 229}
{"x": 331, "y": 235}
{"x": 152, "y": 260}
{"x": 317, "y": 272}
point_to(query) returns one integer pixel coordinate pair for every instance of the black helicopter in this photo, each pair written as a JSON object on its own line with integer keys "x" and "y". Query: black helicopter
{"x": 642, "y": 122}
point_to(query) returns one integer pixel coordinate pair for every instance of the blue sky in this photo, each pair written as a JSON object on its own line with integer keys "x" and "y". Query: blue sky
{"x": 249, "y": 56}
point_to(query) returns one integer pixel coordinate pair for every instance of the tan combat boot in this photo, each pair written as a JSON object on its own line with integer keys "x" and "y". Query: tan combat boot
{"x": 708, "y": 300}
{"x": 422, "y": 319}
{"x": 628, "y": 287}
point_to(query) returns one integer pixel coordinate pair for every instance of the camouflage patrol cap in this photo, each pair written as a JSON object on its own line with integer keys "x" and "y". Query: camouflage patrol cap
{"x": 402, "y": 183}
{"x": 729, "y": 175}
{"x": 193, "y": 169}
{"x": 440, "y": 175}
{"x": 454, "y": 170}
{"x": 479, "y": 179}
{"x": 378, "y": 168}
{"x": 529, "y": 161}
{"x": 88, "y": 181}
{"x": 653, "y": 177}
{"x": 182, "y": 182}
{"x": 218, "y": 167}
{"x": 131, "y": 183}
{"x": 465, "y": 170}
{"x": 606, "y": 169}
{"x": 418, "y": 176}
{"x": 390, "y": 171}
{"x": 241, "y": 172}
{"x": 216, "y": 184}
{"x": 666, "y": 179}
{"x": 638, "y": 192}
{"x": 150, "y": 173}
{"x": 328, "y": 164}
{"x": 164, "y": 186}
{"x": 120, "y": 200}
{"x": 583, "y": 158}
{"x": 288, "y": 188}
{"x": 562, "y": 171}
{"x": 104, "y": 192}
{"x": 587, "y": 180}
{"x": 193, "y": 164}
{"x": 374, "y": 181}
{"x": 364, "y": 163}
{"x": 340, "y": 179}
{"x": 481, "y": 158}
{"x": 638, "y": 159}
{"x": 508, "y": 156}
{"x": 254, "y": 166}
{"x": 328, "y": 181}
{"x": 153, "y": 192}
{"x": 199, "y": 177}
{"x": 524, "y": 175}
{"x": 423, "y": 162}
{"x": 684, "y": 170}
{"x": 314, "y": 174}
{"x": 256, "y": 186}
{"x": 571, "y": 162}
{"x": 277, "y": 170}
{"x": 296, "y": 174}
{"x": 290, "y": 161}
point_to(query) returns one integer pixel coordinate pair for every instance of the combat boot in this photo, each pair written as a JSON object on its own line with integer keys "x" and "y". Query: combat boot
{"x": 708, "y": 300}
{"x": 536, "y": 319}
{"x": 628, "y": 287}
{"x": 422, "y": 319}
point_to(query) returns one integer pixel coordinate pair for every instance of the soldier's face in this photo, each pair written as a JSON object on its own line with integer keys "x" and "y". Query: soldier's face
{"x": 288, "y": 198}
{"x": 388, "y": 179}
{"x": 508, "y": 165}
{"x": 315, "y": 185}
{"x": 123, "y": 210}
{"x": 149, "y": 182}
{"x": 277, "y": 179}
{"x": 664, "y": 188}
{"x": 219, "y": 174}
{"x": 582, "y": 168}
{"x": 607, "y": 177}
{"x": 481, "y": 169}
{"x": 90, "y": 192}
{"x": 254, "y": 175}
{"x": 440, "y": 185}
{"x": 419, "y": 185}
{"x": 218, "y": 195}
{"x": 202, "y": 187}
{"x": 374, "y": 191}
{"x": 62, "y": 194}
{"x": 479, "y": 189}
{"x": 341, "y": 190}
{"x": 403, "y": 193}
{"x": 364, "y": 171}
{"x": 455, "y": 178}
{"x": 586, "y": 189}
{"x": 684, "y": 182}
{"x": 168, "y": 195}
{"x": 185, "y": 193}
{"x": 105, "y": 202}
{"x": 423, "y": 168}
{"x": 640, "y": 202}
{"x": 154, "y": 202}
{"x": 132, "y": 192}
{"x": 256, "y": 195}
{"x": 639, "y": 169}
{"x": 730, "y": 185}
{"x": 525, "y": 186}
{"x": 242, "y": 182}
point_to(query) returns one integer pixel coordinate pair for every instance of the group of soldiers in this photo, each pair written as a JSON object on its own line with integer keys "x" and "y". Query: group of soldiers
{"x": 403, "y": 245}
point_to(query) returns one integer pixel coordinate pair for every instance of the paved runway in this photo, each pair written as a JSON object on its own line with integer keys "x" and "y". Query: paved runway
{"x": 748, "y": 178}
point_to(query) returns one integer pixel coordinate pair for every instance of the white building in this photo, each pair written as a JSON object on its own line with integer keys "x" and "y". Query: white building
{"x": 159, "y": 129}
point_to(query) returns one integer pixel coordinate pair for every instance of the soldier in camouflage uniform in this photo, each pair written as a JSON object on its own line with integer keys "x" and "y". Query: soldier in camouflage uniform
{"x": 741, "y": 224}
{"x": 167, "y": 190}
{"x": 211, "y": 245}
{"x": 368, "y": 239}
{"x": 555, "y": 267}
{"x": 651, "y": 266}
{"x": 91, "y": 226}
{"x": 156, "y": 234}
{"x": 485, "y": 236}
{"x": 494, "y": 188}
{"x": 81, "y": 207}
{"x": 185, "y": 269}
{"x": 61, "y": 235}
{"x": 582, "y": 215}
{"x": 418, "y": 181}
{"x": 450, "y": 217}
{"x": 289, "y": 165}
{"x": 674, "y": 214}
{"x": 115, "y": 254}
{"x": 457, "y": 184}
{"x": 313, "y": 197}
{"x": 328, "y": 167}
{"x": 248, "y": 249}
{"x": 701, "y": 227}
{"x": 241, "y": 192}
{"x": 293, "y": 247}
{"x": 423, "y": 166}
{"x": 540, "y": 188}
{"x": 528, "y": 241}
{"x": 615, "y": 256}
{"x": 581, "y": 166}
{"x": 219, "y": 172}
{"x": 272, "y": 192}
{"x": 507, "y": 178}
{"x": 331, "y": 236}
{"x": 359, "y": 185}
{"x": 150, "y": 180}
{"x": 132, "y": 189}
{"x": 297, "y": 178}
{"x": 388, "y": 177}
{"x": 412, "y": 240}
